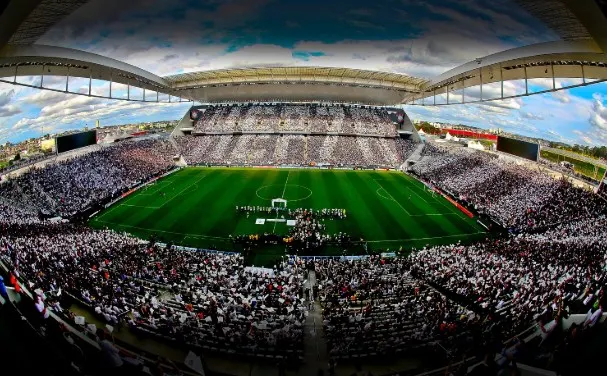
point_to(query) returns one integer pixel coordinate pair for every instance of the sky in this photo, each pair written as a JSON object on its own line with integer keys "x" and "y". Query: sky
{"x": 422, "y": 38}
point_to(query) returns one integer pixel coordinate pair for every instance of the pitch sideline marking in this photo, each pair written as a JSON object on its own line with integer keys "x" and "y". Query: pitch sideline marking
{"x": 112, "y": 208}
{"x": 124, "y": 203}
{"x": 140, "y": 206}
{"x": 190, "y": 235}
{"x": 412, "y": 215}
{"x": 428, "y": 238}
{"x": 391, "y": 197}
{"x": 438, "y": 198}
{"x": 164, "y": 231}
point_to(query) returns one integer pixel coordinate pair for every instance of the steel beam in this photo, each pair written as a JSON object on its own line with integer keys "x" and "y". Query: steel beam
{"x": 67, "y": 79}
{"x": 530, "y": 94}
{"x": 502, "y": 80}
{"x": 526, "y": 85}
{"x": 480, "y": 74}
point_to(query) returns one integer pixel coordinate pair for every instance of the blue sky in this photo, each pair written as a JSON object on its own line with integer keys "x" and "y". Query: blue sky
{"x": 415, "y": 37}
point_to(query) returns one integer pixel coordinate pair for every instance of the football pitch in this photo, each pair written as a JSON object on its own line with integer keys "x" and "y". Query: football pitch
{"x": 196, "y": 207}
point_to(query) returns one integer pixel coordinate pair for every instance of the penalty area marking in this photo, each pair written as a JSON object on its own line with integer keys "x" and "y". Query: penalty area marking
{"x": 140, "y": 193}
{"x": 391, "y": 197}
{"x": 189, "y": 235}
{"x": 183, "y": 191}
{"x": 411, "y": 215}
{"x": 154, "y": 187}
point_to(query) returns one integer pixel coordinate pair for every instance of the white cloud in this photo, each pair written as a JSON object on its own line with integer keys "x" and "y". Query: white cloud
{"x": 598, "y": 116}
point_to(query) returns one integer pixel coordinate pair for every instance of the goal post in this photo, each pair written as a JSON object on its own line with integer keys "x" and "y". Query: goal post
{"x": 279, "y": 203}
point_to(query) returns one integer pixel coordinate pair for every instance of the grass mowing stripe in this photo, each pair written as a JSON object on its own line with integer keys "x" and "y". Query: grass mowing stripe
{"x": 201, "y": 213}
{"x": 391, "y": 197}
{"x": 398, "y": 190}
{"x": 390, "y": 221}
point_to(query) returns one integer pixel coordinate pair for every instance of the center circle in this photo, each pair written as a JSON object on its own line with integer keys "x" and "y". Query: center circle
{"x": 290, "y": 192}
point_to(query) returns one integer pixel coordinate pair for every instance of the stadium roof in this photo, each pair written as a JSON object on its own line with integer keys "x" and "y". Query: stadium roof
{"x": 579, "y": 54}
{"x": 297, "y": 74}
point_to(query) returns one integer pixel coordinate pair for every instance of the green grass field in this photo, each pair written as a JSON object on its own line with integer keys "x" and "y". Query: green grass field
{"x": 584, "y": 168}
{"x": 196, "y": 207}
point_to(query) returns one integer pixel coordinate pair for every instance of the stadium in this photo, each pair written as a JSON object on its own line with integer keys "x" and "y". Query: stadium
{"x": 295, "y": 220}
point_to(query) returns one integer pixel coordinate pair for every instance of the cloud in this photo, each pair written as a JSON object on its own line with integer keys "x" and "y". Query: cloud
{"x": 413, "y": 37}
{"x": 6, "y": 108}
{"x": 528, "y": 115}
{"x": 5, "y": 98}
{"x": 58, "y": 111}
{"x": 598, "y": 116}
{"x": 9, "y": 110}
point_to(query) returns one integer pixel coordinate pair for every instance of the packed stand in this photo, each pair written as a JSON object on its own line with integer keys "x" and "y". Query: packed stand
{"x": 72, "y": 185}
{"x": 517, "y": 196}
{"x": 524, "y": 277}
{"x": 289, "y": 149}
{"x": 405, "y": 148}
{"x": 296, "y": 118}
{"x": 209, "y": 300}
{"x": 374, "y": 306}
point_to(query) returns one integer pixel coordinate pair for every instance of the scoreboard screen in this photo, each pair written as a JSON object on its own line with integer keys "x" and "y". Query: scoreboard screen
{"x": 523, "y": 149}
{"x": 75, "y": 141}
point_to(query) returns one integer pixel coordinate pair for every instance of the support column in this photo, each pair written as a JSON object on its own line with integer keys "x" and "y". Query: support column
{"x": 502, "y": 80}
{"x": 526, "y": 85}
{"x": 42, "y": 76}
{"x": 583, "y": 74}
{"x": 480, "y": 74}
{"x": 67, "y": 79}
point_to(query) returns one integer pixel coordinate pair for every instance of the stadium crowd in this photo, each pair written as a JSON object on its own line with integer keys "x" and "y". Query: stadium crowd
{"x": 296, "y": 118}
{"x": 376, "y": 305}
{"x": 517, "y": 196}
{"x": 72, "y": 185}
{"x": 199, "y": 298}
{"x": 294, "y": 150}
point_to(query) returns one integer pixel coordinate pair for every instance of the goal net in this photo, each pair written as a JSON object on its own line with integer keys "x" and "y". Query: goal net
{"x": 279, "y": 203}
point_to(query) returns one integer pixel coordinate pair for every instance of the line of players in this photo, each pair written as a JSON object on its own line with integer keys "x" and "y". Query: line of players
{"x": 331, "y": 213}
